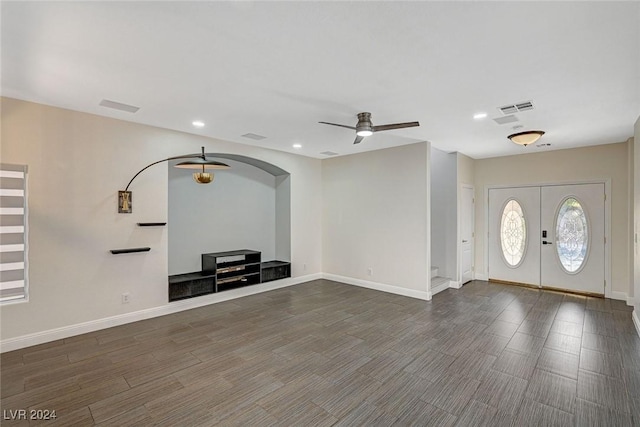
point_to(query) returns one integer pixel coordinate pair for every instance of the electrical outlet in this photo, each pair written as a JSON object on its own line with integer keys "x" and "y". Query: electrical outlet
{"x": 125, "y": 298}
{"x": 370, "y": 271}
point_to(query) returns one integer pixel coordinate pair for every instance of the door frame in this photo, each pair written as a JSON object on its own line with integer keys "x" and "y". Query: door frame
{"x": 459, "y": 234}
{"x": 607, "y": 221}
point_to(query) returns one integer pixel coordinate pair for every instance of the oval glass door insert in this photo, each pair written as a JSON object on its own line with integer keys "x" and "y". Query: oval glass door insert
{"x": 572, "y": 236}
{"x": 513, "y": 233}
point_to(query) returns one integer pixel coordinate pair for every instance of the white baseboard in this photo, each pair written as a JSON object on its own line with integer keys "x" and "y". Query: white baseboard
{"x": 379, "y": 286}
{"x": 621, "y": 296}
{"x": 173, "y": 307}
{"x": 455, "y": 285}
{"x": 481, "y": 277}
{"x": 636, "y": 321}
{"x": 439, "y": 288}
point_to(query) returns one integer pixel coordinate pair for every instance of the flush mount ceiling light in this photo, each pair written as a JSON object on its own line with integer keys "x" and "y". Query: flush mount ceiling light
{"x": 297, "y": 145}
{"x": 199, "y": 162}
{"x": 198, "y": 123}
{"x": 479, "y": 116}
{"x": 526, "y": 138}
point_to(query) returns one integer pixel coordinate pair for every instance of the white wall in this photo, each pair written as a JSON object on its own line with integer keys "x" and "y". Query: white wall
{"x": 375, "y": 216}
{"x": 444, "y": 224}
{"x": 236, "y": 211}
{"x": 636, "y": 210}
{"x": 465, "y": 169}
{"x": 77, "y": 163}
{"x": 579, "y": 164}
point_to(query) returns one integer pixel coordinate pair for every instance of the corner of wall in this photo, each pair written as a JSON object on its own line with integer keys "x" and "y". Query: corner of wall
{"x": 635, "y": 184}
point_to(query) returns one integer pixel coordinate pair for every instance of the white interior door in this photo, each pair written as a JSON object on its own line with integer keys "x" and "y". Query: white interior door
{"x": 573, "y": 251}
{"x": 466, "y": 234}
{"x": 514, "y": 230}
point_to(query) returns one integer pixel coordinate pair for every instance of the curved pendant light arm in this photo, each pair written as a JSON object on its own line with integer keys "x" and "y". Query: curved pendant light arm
{"x": 186, "y": 156}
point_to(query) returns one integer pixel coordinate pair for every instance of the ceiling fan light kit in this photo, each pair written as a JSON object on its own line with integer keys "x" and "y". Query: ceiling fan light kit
{"x": 526, "y": 138}
{"x": 365, "y": 128}
{"x": 196, "y": 161}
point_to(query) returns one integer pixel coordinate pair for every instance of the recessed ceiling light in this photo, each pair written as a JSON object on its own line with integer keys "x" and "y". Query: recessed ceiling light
{"x": 297, "y": 145}
{"x": 198, "y": 123}
{"x": 479, "y": 116}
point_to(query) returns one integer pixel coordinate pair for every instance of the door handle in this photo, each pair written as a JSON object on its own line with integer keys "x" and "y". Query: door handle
{"x": 544, "y": 242}
{"x": 464, "y": 241}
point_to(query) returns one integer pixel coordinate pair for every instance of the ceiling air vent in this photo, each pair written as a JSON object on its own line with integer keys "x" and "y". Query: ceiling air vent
{"x": 524, "y": 106}
{"x": 329, "y": 153}
{"x": 516, "y": 108}
{"x": 508, "y": 109}
{"x": 506, "y": 119}
{"x": 253, "y": 136}
{"x": 119, "y": 106}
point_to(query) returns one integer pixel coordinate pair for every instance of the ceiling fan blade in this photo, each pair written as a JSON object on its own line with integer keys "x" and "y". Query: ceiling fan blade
{"x": 358, "y": 139}
{"x": 335, "y": 124}
{"x": 395, "y": 126}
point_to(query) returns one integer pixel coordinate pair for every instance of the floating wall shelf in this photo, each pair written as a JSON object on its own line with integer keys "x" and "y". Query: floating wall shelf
{"x": 129, "y": 250}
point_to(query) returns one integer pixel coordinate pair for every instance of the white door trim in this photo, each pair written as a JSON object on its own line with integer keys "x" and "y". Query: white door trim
{"x": 607, "y": 220}
{"x": 459, "y": 233}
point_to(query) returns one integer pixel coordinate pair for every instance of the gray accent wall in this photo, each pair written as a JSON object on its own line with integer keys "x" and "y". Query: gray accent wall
{"x": 444, "y": 214}
{"x": 283, "y": 217}
{"x": 236, "y": 211}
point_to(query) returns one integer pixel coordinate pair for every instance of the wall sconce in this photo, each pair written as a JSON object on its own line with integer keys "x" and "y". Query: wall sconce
{"x": 198, "y": 162}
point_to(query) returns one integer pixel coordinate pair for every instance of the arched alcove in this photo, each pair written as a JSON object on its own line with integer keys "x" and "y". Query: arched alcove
{"x": 246, "y": 207}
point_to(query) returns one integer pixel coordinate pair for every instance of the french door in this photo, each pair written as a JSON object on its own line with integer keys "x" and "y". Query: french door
{"x": 548, "y": 236}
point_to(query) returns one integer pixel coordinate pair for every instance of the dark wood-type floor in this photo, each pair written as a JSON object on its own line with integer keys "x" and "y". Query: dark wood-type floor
{"x": 324, "y": 353}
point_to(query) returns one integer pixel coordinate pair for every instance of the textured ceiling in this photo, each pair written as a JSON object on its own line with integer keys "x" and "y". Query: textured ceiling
{"x": 277, "y": 68}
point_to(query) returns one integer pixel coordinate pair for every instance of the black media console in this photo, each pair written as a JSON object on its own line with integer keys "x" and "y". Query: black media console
{"x": 222, "y": 271}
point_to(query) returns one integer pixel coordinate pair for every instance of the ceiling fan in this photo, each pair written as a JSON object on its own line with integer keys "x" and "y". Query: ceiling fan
{"x": 364, "y": 127}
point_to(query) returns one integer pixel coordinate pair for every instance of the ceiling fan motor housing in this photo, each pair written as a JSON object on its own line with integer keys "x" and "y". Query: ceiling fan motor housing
{"x": 364, "y": 123}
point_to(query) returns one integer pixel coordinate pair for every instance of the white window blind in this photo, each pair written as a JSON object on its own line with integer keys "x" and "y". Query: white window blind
{"x": 13, "y": 226}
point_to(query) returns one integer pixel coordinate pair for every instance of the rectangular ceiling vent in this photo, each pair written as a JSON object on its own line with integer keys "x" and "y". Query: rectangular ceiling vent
{"x": 329, "y": 153}
{"x": 516, "y": 108}
{"x": 119, "y": 106}
{"x": 508, "y": 109}
{"x": 253, "y": 136}
{"x": 524, "y": 106}
{"x": 506, "y": 119}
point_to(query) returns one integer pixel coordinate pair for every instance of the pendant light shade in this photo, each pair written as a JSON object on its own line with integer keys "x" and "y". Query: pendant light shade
{"x": 195, "y": 161}
{"x": 200, "y": 163}
{"x": 526, "y": 138}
